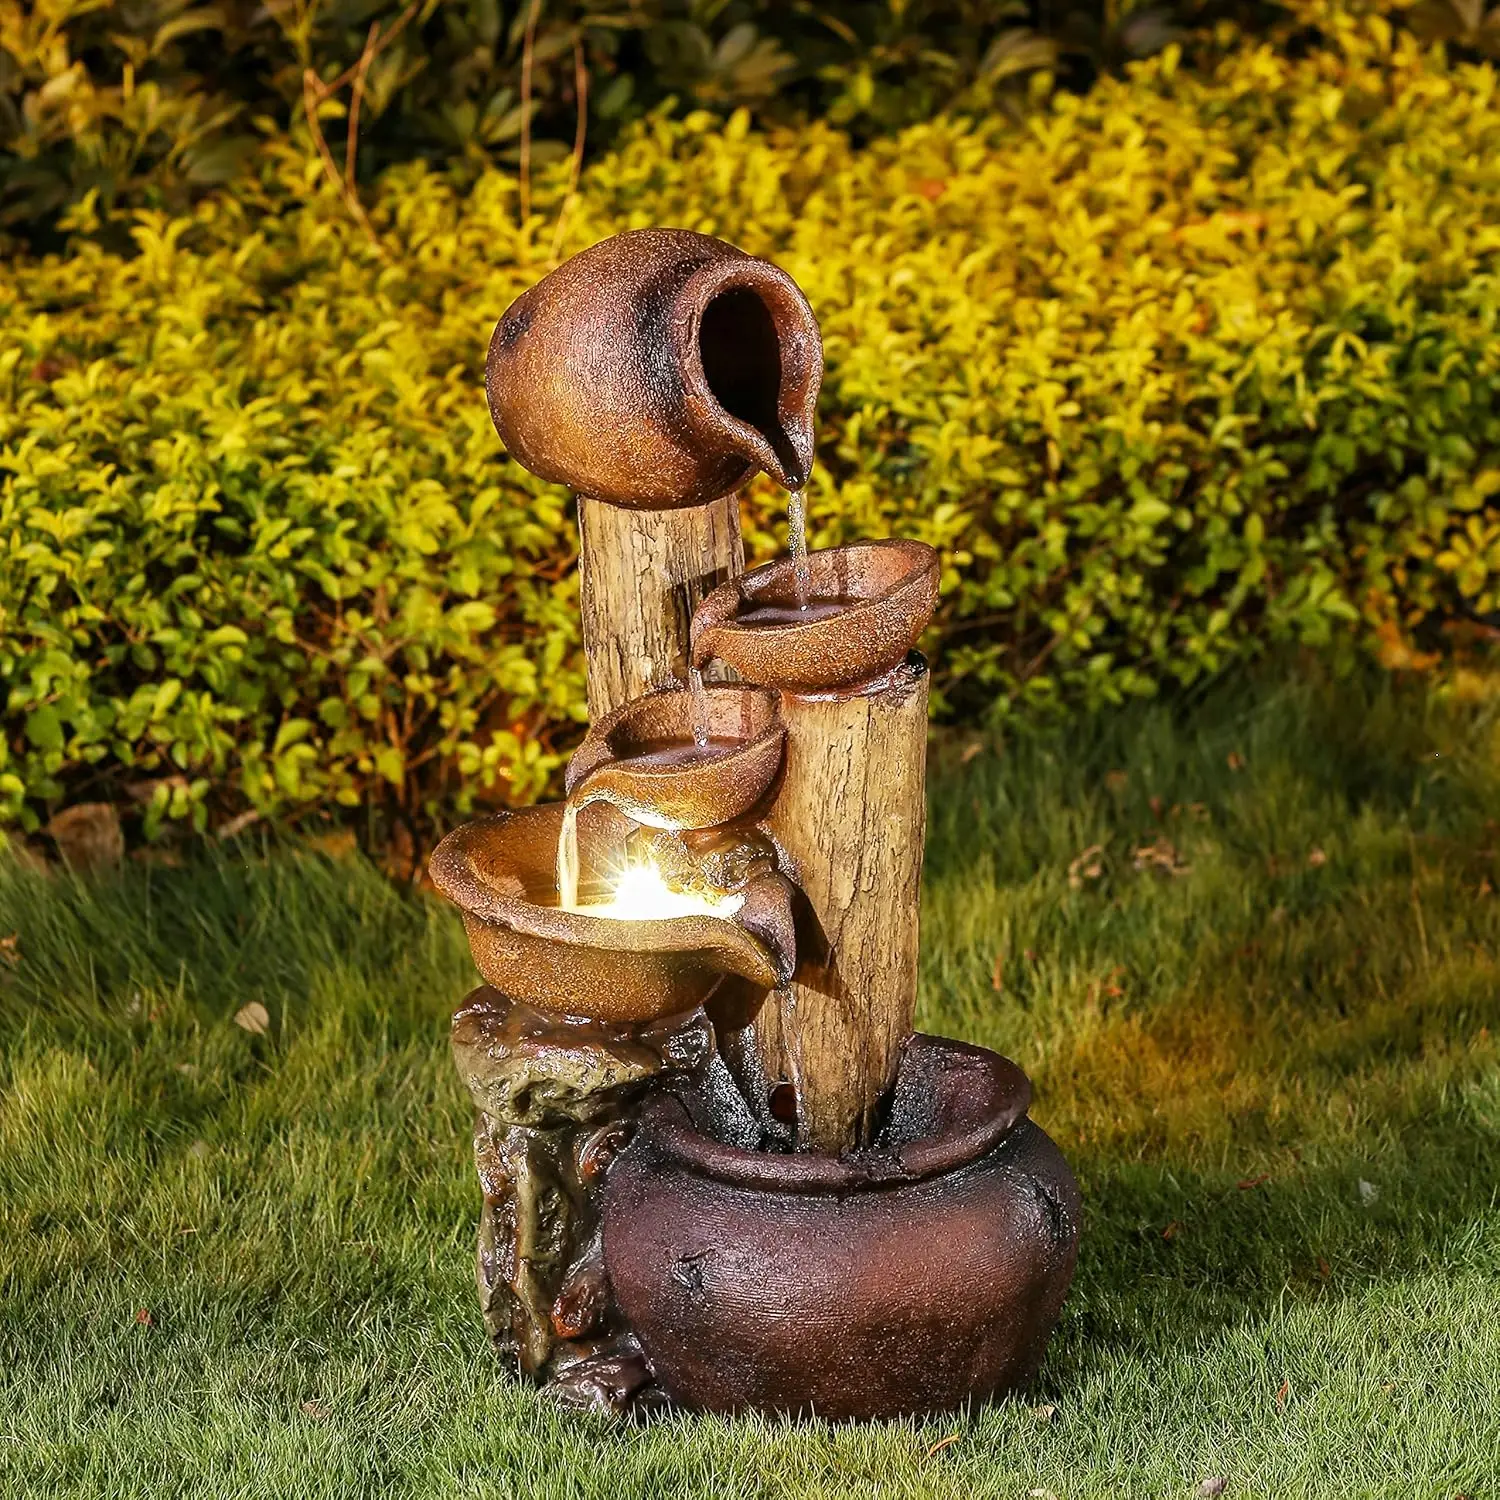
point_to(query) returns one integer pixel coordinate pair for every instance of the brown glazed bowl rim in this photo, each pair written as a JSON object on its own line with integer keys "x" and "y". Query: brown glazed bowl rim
{"x": 981, "y": 1097}
{"x": 454, "y": 873}
{"x": 754, "y": 762}
{"x": 716, "y": 614}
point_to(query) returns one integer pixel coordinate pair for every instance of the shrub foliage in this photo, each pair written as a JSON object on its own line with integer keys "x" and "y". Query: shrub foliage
{"x": 1185, "y": 366}
{"x": 157, "y": 101}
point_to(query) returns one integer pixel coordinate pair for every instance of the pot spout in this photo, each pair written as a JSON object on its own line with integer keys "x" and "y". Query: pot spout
{"x": 752, "y": 360}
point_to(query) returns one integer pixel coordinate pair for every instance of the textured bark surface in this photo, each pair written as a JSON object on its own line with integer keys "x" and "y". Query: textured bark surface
{"x": 850, "y": 814}
{"x": 555, "y": 1100}
{"x": 642, "y": 574}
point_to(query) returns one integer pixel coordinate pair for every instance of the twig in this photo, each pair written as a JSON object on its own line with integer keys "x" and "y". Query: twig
{"x": 581, "y": 90}
{"x": 361, "y": 68}
{"x": 527, "y": 49}
{"x": 315, "y": 92}
{"x": 310, "y": 103}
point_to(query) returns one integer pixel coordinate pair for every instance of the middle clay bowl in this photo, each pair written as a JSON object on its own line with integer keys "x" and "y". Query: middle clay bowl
{"x": 865, "y": 605}
{"x": 644, "y": 759}
{"x": 501, "y": 872}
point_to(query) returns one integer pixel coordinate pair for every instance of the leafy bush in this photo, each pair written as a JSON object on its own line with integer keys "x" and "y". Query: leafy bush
{"x": 1183, "y": 367}
{"x": 155, "y": 102}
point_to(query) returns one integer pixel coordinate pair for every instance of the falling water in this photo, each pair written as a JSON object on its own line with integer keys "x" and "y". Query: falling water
{"x": 796, "y": 527}
{"x": 700, "y": 705}
{"x": 567, "y": 860}
{"x": 791, "y": 1033}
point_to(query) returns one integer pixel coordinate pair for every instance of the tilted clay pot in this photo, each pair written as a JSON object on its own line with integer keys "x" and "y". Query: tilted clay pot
{"x": 909, "y": 1278}
{"x": 658, "y": 369}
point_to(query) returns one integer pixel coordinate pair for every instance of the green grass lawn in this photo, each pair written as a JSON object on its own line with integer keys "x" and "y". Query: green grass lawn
{"x": 1260, "y": 1016}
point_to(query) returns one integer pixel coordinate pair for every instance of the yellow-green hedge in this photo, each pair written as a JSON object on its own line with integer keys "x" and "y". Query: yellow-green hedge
{"x": 1188, "y": 365}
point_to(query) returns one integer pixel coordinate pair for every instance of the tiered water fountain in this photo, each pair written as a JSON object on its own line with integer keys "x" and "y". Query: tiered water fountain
{"x": 719, "y": 1168}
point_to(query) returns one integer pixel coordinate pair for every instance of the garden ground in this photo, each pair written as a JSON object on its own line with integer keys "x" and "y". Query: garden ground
{"x": 1246, "y": 947}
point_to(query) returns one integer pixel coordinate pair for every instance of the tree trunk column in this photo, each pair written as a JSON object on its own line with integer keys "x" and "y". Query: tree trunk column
{"x": 642, "y": 574}
{"x": 851, "y": 814}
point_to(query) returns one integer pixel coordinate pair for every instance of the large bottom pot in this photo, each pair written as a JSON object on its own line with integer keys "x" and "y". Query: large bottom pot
{"x": 913, "y": 1277}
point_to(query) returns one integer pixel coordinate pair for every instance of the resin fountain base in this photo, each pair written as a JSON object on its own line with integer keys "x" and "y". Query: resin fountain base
{"x": 642, "y": 1243}
{"x": 720, "y": 1170}
{"x": 912, "y": 1277}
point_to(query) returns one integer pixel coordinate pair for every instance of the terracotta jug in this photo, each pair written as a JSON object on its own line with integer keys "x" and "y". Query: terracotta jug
{"x": 657, "y": 369}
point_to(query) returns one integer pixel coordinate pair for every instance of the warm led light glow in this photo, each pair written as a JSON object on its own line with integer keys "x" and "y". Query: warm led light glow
{"x": 643, "y": 895}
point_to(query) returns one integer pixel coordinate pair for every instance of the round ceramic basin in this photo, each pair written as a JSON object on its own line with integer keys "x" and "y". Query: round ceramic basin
{"x": 501, "y": 872}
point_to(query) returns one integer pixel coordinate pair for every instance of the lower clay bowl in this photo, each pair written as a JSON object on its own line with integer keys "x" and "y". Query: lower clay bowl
{"x": 501, "y": 872}
{"x": 914, "y": 1277}
{"x": 645, "y": 760}
{"x": 866, "y": 605}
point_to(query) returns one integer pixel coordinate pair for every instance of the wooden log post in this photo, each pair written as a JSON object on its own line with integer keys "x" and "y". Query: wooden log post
{"x": 851, "y": 814}
{"x": 642, "y": 574}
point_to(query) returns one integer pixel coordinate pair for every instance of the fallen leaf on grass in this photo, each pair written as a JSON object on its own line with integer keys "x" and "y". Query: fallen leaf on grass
{"x": 1171, "y": 1231}
{"x": 1284, "y": 1392}
{"x": 143, "y": 1317}
{"x": 10, "y": 949}
{"x": 1236, "y": 761}
{"x": 1324, "y": 1269}
{"x": 1045, "y": 1414}
{"x": 946, "y": 1442}
{"x": 972, "y": 749}
{"x": 1162, "y": 855}
{"x": 1317, "y": 859}
{"x": 996, "y": 982}
{"x": 315, "y": 1410}
{"x": 237, "y": 824}
{"x": 1211, "y": 1488}
{"x": 254, "y": 1018}
{"x": 339, "y": 844}
{"x": 1087, "y": 866}
{"x": 88, "y": 836}
{"x": 1246, "y": 1183}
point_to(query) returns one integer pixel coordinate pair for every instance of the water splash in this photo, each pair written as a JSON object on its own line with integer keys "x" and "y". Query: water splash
{"x": 796, "y": 529}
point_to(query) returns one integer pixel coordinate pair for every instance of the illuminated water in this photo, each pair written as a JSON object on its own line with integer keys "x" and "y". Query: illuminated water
{"x": 567, "y": 860}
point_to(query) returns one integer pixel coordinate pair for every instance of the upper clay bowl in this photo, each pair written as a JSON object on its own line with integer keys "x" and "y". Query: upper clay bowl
{"x": 867, "y": 604}
{"x": 501, "y": 872}
{"x": 643, "y": 759}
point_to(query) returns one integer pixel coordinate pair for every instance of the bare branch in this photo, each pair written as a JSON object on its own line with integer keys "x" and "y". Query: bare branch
{"x": 581, "y": 90}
